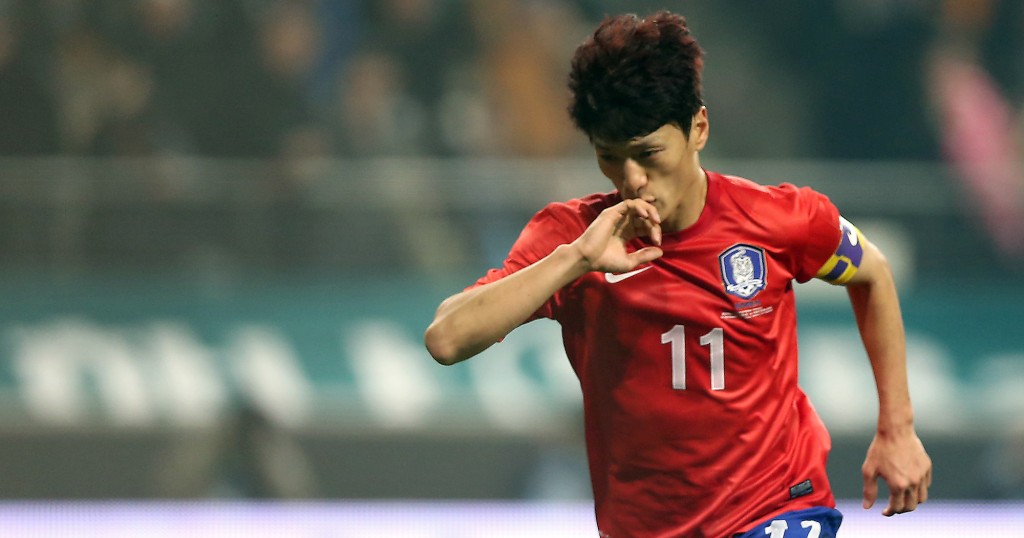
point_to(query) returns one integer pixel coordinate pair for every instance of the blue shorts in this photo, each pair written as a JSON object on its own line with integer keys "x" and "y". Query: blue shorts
{"x": 817, "y": 522}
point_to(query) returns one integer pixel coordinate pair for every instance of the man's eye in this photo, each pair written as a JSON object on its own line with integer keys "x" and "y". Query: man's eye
{"x": 647, "y": 154}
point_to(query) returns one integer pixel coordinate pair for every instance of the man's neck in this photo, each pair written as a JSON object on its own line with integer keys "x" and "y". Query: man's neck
{"x": 691, "y": 205}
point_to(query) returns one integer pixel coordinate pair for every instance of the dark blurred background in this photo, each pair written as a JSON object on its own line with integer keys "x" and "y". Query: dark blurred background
{"x": 225, "y": 224}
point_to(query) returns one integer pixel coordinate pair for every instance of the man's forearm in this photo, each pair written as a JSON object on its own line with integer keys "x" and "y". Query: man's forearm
{"x": 876, "y": 307}
{"x": 470, "y": 322}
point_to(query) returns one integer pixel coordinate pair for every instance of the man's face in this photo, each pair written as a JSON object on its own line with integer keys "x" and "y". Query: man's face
{"x": 654, "y": 167}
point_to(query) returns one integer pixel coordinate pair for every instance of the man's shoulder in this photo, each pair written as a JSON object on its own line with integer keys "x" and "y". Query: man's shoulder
{"x": 744, "y": 191}
{"x": 585, "y": 208}
{"x": 743, "y": 186}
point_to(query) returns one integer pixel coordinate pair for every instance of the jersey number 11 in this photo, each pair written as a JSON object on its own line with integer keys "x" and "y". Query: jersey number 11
{"x": 676, "y": 337}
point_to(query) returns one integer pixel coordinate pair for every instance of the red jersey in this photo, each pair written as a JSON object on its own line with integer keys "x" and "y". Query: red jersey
{"x": 695, "y": 425}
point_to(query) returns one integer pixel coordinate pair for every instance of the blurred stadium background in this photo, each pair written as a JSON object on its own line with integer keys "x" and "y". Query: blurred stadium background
{"x": 224, "y": 226}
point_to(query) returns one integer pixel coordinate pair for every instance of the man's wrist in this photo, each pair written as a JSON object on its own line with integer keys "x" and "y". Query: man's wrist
{"x": 576, "y": 262}
{"x": 896, "y": 424}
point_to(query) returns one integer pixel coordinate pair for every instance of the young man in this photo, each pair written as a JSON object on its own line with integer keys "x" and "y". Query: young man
{"x": 676, "y": 302}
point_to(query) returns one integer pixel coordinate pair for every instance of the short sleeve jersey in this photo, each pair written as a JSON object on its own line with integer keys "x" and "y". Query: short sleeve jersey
{"x": 695, "y": 425}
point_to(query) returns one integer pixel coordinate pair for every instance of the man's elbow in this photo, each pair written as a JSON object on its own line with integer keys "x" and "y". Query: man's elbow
{"x": 441, "y": 346}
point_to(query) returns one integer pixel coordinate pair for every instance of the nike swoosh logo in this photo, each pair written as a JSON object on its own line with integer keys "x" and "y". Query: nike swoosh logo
{"x": 613, "y": 278}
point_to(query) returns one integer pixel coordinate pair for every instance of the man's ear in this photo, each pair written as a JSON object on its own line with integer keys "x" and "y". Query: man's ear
{"x": 699, "y": 129}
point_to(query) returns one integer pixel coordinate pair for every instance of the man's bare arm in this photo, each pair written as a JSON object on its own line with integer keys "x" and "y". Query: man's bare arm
{"x": 471, "y": 321}
{"x": 896, "y": 453}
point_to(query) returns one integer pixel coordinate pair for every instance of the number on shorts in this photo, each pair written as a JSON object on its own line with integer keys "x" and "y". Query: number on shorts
{"x": 778, "y": 528}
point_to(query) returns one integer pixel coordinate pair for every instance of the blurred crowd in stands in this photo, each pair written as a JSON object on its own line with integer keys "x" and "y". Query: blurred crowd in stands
{"x": 269, "y": 78}
{"x": 842, "y": 79}
{"x": 287, "y": 80}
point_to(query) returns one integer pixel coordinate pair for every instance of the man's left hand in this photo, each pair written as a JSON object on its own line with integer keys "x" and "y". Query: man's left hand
{"x": 901, "y": 460}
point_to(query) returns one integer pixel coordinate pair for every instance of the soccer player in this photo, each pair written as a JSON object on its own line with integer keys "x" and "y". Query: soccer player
{"x": 675, "y": 297}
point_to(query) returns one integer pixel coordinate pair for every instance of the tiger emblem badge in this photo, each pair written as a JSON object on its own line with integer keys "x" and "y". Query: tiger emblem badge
{"x": 744, "y": 273}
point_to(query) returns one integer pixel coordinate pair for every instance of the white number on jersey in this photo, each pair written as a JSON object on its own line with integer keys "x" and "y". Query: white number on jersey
{"x": 714, "y": 338}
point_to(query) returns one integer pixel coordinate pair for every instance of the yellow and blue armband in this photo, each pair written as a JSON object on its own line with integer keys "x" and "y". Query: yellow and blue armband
{"x": 842, "y": 265}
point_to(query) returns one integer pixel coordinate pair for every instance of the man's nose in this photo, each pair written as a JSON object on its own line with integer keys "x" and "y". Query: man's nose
{"x": 635, "y": 177}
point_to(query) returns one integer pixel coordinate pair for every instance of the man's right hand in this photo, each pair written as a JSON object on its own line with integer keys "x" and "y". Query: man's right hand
{"x": 603, "y": 245}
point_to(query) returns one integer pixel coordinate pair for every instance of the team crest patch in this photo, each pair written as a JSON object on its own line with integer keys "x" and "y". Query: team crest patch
{"x": 743, "y": 270}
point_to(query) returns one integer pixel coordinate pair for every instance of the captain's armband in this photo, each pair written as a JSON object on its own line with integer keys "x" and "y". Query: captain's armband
{"x": 843, "y": 264}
